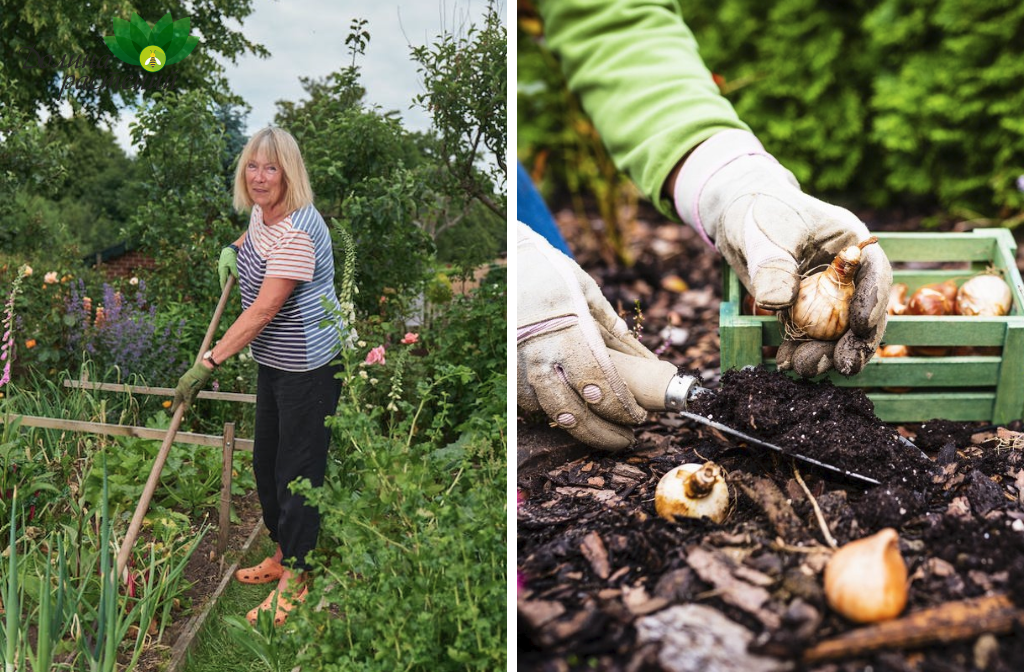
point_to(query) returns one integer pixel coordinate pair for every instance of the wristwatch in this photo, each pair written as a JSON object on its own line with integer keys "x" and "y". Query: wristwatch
{"x": 208, "y": 356}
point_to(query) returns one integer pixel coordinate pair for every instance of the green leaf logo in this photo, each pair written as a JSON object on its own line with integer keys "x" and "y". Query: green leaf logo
{"x": 152, "y": 47}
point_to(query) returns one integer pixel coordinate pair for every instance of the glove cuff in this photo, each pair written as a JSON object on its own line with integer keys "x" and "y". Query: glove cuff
{"x": 701, "y": 165}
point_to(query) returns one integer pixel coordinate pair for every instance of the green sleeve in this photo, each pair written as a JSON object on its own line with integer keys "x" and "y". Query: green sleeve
{"x": 634, "y": 64}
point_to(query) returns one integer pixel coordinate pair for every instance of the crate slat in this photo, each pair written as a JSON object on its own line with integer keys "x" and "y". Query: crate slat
{"x": 901, "y": 247}
{"x": 1010, "y": 394}
{"x": 958, "y": 406}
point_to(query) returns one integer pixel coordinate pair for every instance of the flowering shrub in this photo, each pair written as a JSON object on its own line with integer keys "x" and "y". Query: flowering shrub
{"x": 123, "y": 332}
{"x": 376, "y": 356}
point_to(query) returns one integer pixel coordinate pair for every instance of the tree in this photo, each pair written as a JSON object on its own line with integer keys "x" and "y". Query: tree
{"x": 186, "y": 216}
{"x": 26, "y": 159}
{"x": 41, "y": 43}
{"x": 96, "y": 197}
{"x": 465, "y": 82}
{"x": 362, "y": 165}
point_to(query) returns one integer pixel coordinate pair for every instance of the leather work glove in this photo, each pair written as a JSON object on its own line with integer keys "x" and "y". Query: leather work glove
{"x": 189, "y": 385}
{"x": 771, "y": 233}
{"x": 565, "y": 330}
{"x": 228, "y": 264}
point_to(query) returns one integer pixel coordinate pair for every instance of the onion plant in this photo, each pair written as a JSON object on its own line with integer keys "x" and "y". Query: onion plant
{"x": 61, "y": 578}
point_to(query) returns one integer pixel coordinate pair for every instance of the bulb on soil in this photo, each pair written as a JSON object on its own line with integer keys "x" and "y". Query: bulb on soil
{"x": 866, "y": 580}
{"x": 693, "y": 491}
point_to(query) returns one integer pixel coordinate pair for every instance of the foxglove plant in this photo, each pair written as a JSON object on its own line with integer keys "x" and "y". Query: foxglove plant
{"x": 7, "y": 343}
{"x": 347, "y": 296}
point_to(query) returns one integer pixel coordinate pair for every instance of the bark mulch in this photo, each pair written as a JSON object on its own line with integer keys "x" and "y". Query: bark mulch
{"x": 606, "y": 584}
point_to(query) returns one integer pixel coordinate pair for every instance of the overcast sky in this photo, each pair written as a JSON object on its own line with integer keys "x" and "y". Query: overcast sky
{"x": 306, "y": 38}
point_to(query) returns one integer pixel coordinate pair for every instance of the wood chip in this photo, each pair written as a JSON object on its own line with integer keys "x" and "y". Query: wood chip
{"x": 944, "y": 623}
{"x": 619, "y": 573}
{"x": 1018, "y": 482}
{"x": 594, "y": 551}
{"x": 1010, "y": 439}
{"x": 604, "y": 496}
{"x": 539, "y": 612}
{"x": 640, "y": 603}
{"x": 697, "y": 638}
{"x": 767, "y": 496}
{"x": 714, "y": 568}
{"x": 959, "y": 508}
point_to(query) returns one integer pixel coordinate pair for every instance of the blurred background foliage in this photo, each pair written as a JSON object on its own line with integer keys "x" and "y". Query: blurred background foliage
{"x": 903, "y": 104}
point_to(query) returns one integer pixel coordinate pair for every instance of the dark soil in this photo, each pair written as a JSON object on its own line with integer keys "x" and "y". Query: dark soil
{"x": 830, "y": 424}
{"x": 602, "y": 578}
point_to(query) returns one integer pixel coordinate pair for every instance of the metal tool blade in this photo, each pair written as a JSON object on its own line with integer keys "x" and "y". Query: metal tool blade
{"x": 771, "y": 446}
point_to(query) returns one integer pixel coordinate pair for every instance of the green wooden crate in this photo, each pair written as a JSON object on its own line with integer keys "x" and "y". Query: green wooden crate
{"x": 965, "y": 388}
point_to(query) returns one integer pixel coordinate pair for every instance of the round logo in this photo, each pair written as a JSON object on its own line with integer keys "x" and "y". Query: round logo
{"x": 152, "y": 58}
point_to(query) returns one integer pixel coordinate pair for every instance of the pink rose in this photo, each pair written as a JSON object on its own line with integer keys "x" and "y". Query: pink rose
{"x": 375, "y": 356}
{"x": 411, "y": 338}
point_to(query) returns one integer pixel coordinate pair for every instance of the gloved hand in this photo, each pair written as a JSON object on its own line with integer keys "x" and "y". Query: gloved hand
{"x": 190, "y": 384}
{"x": 228, "y": 265}
{"x": 565, "y": 330}
{"x": 771, "y": 233}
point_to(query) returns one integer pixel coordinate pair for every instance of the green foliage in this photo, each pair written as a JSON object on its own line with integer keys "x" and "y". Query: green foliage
{"x": 26, "y": 159}
{"x": 186, "y": 216}
{"x": 474, "y": 239}
{"x": 100, "y": 194}
{"x": 67, "y": 37}
{"x": 947, "y": 112}
{"x": 465, "y": 81}
{"x": 799, "y": 73}
{"x": 419, "y": 567}
{"x": 471, "y": 331}
{"x": 393, "y": 252}
{"x": 360, "y": 163}
{"x": 189, "y": 481}
{"x": 65, "y": 602}
{"x": 413, "y": 506}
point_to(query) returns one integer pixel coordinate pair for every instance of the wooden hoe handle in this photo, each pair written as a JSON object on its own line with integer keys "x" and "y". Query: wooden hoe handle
{"x": 165, "y": 448}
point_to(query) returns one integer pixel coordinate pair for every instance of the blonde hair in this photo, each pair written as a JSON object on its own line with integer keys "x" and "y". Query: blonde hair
{"x": 277, "y": 146}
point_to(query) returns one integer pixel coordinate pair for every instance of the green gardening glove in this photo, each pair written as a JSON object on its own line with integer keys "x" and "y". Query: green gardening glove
{"x": 189, "y": 385}
{"x": 228, "y": 264}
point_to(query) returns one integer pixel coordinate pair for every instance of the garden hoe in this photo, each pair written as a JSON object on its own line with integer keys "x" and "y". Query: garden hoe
{"x": 165, "y": 449}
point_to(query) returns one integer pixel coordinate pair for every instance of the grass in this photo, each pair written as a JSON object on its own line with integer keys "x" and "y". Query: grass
{"x": 217, "y": 647}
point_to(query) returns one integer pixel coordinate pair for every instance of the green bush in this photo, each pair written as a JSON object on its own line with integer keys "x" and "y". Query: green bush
{"x": 899, "y": 103}
{"x": 413, "y": 508}
{"x": 186, "y": 217}
{"x": 948, "y": 109}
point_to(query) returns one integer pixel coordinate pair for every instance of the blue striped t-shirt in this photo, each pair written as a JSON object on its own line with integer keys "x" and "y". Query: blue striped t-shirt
{"x": 299, "y": 248}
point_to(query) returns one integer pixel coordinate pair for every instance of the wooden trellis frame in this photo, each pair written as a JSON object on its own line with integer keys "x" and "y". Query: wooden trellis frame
{"x": 226, "y": 441}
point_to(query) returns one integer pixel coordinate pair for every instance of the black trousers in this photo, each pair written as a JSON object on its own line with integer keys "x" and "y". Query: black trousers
{"x": 291, "y": 442}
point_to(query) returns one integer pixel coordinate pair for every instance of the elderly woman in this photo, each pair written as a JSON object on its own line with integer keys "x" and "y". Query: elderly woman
{"x": 285, "y": 269}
